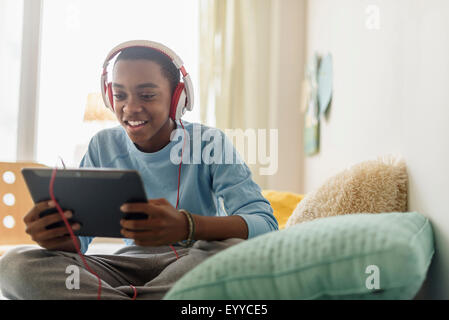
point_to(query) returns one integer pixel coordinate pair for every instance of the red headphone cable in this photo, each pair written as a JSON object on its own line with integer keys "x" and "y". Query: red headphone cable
{"x": 179, "y": 179}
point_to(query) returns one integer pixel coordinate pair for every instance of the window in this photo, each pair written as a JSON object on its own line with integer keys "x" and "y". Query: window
{"x": 76, "y": 37}
{"x": 11, "y": 18}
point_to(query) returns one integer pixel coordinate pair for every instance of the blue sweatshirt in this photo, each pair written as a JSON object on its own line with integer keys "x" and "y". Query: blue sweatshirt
{"x": 211, "y": 184}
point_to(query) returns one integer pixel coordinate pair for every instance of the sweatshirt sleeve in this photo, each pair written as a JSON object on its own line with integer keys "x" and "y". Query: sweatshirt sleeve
{"x": 240, "y": 194}
{"x": 89, "y": 160}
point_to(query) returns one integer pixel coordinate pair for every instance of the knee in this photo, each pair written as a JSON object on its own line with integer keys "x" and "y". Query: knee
{"x": 19, "y": 263}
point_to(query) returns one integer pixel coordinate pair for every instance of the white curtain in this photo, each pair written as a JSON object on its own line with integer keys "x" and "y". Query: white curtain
{"x": 235, "y": 62}
{"x": 241, "y": 66}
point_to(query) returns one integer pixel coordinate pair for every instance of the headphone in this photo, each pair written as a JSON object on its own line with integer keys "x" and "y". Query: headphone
{"x": 182, "y": 98}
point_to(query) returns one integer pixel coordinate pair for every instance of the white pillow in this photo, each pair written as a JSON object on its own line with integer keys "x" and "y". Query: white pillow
{"x": 373, "y": 186}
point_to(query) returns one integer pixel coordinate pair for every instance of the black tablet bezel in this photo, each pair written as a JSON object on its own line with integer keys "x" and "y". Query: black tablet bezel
{"x": 94, "y": 195}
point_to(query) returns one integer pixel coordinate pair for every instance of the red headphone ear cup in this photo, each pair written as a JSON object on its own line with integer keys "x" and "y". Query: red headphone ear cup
{"x": 110, "y": 96}
{"x": 175, "y": 99}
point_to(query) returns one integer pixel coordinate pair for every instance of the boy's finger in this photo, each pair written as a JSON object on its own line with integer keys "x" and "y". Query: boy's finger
{"x": 55, "y": 233}
{"x": 135, "y": 207}
{"x": 143, "y": 224}
{"x": 41, "y": 223}
{"x": 33, "y": 214}
{"x": 150, "y": 209}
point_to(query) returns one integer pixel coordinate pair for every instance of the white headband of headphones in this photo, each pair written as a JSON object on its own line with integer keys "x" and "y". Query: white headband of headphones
{"x": 152, "y": 45}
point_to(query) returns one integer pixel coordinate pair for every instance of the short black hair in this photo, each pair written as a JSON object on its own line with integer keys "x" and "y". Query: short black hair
{"x": 168, "y": 69}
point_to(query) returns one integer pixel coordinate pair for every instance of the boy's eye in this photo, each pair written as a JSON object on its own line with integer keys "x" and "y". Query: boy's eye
{"x": 147, "y": 96}
{"x": 118, "y": 96}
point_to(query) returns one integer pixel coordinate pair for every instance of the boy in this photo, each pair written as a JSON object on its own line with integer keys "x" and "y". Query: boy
{"x": 144, "y": 86}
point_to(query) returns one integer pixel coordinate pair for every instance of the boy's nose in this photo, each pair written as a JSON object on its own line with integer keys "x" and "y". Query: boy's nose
{"x": 132, "y": 106}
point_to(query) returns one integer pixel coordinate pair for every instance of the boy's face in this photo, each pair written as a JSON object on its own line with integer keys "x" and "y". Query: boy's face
{"x": 142, "y": 98}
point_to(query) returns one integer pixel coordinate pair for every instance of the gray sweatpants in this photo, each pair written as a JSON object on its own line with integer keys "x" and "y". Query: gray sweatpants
{"x": 32, "y": 273}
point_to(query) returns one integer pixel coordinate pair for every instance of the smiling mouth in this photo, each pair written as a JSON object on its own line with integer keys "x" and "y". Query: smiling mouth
{"x": 135, "y": 124}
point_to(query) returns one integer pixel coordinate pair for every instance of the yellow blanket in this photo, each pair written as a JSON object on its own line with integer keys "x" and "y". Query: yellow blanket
{"x": 283, "y": 204}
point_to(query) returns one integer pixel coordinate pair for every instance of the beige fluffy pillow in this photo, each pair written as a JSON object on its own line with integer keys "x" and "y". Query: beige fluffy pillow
{"x": 368, "y": 187}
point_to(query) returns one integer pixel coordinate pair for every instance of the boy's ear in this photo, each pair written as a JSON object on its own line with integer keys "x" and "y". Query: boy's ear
{"x": 178, "y": 101}
{"x": 110, "y": 96}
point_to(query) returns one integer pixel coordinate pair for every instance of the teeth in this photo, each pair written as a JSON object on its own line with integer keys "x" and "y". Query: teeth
{"x": 136, "y": 123}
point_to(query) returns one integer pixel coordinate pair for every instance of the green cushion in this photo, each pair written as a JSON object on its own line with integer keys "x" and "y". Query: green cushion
{"x": 327, "y": 258}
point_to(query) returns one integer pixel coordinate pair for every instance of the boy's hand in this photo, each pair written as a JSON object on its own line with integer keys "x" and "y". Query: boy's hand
{"x": 50, "y": 239}
{"x": 164, "y": 224}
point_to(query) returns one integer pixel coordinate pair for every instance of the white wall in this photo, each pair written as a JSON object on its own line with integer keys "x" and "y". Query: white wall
{"x": 391, "y": 95}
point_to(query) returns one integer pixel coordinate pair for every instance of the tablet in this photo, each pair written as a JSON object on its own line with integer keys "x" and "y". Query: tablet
{"x": 93, "y": 195}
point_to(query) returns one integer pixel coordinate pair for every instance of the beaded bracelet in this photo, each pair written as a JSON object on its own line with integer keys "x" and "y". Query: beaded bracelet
{"x": 189, "y": 240}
